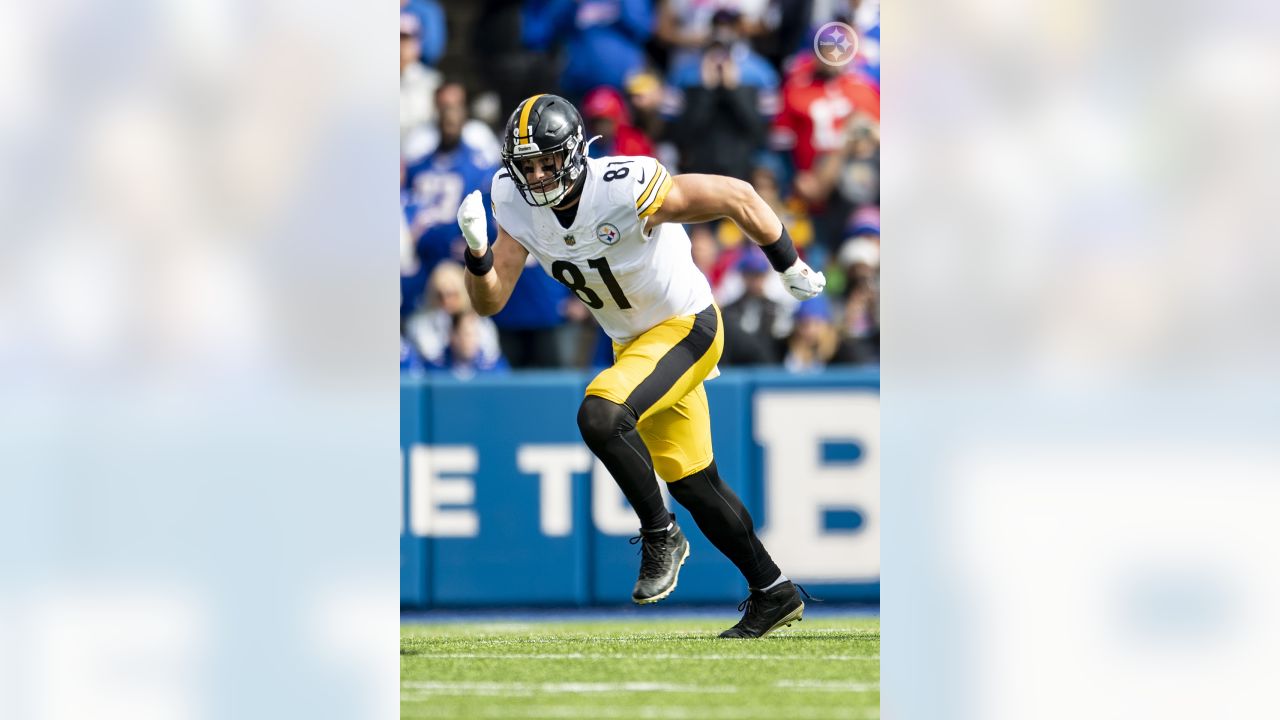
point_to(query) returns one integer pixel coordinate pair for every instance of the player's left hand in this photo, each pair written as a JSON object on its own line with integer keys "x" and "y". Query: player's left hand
{"x": 803, "y": 282}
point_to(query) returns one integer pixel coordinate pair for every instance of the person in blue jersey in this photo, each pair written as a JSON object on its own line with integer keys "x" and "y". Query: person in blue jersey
{"x": 434, "y": 188}
{"x": 604, "y": 39}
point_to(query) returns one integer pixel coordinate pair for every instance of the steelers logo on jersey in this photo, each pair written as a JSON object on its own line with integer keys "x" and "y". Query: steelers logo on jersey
{"x": 608, "y": 233}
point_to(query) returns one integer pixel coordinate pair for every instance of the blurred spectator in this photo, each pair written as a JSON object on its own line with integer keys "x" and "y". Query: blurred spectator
{"x": 408, "y": 253}
{"x": 817, "y": 100}
{"x": 706, "y": 252}
{"x": 767, "y": 177}
{"x": 417, "y": 82}
{"x": 728, "y": 94}
{"x": 435, "y": 186}
{"x": 410, "y": 361}
{"x": 532, "y": 323}
{"x": 861, "y": 14}
{"x": 867, "y": 62}
{"x": 466, "y": 356}
{"x": 865, "y": 224}
{"x": 645, "y": 93}
{"x": 755, "y": 326}
{"x": 431, "y": 23}
{"x": 830, "y": 125}
{"x": 815, "y": 343}
{"x": 685, "y": 26}
{"x": 852, "y": 170}
{"x": 647, "y": 96}
{"x": 476, "y": 134}
{"x": 604, "y": 39}
{"x": 507, "y": 67}
{"x": 859, "y": 182}
{"x": 429, "y": 328}
{"x": 588, "y": 346}
{"x": 788, "y": 30}
{"x": 606, "y": 115}
{"x": 412, "y": 280}
{"x": 859, "y": 261}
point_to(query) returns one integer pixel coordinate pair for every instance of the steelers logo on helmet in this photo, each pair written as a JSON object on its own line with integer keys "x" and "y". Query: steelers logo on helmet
{"x": 543, "y": 149}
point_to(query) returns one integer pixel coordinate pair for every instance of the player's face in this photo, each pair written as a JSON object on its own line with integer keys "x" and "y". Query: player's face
{"x": 539, "y": 172}
{"x": 540, "y": 176}
{"x": 545, "y": 176}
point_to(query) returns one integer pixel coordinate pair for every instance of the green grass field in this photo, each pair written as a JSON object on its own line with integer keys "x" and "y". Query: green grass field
{"x": 819, "y": 669}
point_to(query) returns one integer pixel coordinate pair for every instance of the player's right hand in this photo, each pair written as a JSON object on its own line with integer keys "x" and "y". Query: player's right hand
{"x": 472, "y": 222}
{"x": 803, "y": 282}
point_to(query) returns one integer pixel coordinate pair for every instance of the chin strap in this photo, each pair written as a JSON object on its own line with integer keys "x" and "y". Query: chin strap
{"x": 586, "y": 148}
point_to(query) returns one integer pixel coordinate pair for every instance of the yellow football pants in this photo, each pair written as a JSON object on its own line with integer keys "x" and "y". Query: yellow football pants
{"x": 659, "y": 376}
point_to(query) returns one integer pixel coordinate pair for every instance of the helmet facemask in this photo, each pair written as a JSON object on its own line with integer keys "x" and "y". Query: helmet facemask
{"x": 559, "y": 167}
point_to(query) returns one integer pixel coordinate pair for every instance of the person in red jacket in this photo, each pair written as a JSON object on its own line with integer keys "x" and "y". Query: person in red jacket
{"x": 607, "y": 115}
{"x": 829, "y": 125}
{"x": 817, "y": 100}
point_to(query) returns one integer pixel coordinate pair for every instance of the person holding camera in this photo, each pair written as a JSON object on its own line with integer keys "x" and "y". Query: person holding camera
{"x": 729, "y": 95}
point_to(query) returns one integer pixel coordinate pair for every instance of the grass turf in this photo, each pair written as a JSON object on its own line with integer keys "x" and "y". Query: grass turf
{"x": 819, "y": 669}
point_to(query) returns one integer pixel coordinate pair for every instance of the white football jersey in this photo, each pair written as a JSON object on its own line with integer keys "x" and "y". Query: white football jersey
{"x": 631, "y": 280}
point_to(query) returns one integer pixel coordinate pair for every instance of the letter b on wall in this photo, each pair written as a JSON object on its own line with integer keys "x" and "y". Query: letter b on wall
{"x": 821, "y": 482}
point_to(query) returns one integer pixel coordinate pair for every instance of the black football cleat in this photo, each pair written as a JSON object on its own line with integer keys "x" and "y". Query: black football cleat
{"x": 662, "y": 554}
{"x": 768, "y": 610}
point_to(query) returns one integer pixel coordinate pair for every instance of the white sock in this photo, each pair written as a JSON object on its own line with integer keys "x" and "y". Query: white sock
{"x": 781, "y": 579}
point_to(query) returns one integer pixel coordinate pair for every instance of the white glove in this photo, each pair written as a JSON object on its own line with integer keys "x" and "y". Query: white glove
{"x": 802, "y": 281}
{"x": 471, "y": 221}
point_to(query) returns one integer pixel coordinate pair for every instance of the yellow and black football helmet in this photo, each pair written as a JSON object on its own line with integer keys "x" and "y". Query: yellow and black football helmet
{"x": 542, "y": 128}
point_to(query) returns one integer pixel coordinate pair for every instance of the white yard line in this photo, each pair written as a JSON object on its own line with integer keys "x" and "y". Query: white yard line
{"x": 626, "y": 656}
{"x": 469, "y": 687}
{"x": 551, "y": 712}
{"x": 828, "y": 685}
{"x": 466, "y": 687}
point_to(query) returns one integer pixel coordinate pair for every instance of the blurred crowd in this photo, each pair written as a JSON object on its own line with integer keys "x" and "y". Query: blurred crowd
{"x": 733, "y": 87}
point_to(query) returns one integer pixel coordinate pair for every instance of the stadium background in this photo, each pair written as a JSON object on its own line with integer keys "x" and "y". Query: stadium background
{"x": 503, "y": 505}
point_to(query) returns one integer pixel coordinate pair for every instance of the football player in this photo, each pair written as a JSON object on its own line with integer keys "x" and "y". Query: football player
{"x": 609, "y": 230}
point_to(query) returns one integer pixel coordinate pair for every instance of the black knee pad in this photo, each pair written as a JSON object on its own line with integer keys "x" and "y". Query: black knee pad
{"x": 600, "y": 419}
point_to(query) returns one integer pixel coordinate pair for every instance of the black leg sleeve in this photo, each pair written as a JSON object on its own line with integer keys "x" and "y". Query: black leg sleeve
{"x": 721, "y": 516}
{"x": 609, "y": 429}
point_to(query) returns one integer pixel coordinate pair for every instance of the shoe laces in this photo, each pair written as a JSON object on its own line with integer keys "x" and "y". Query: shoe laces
{"x": 653, "y": 551}
{"x": 746, "y": 605}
